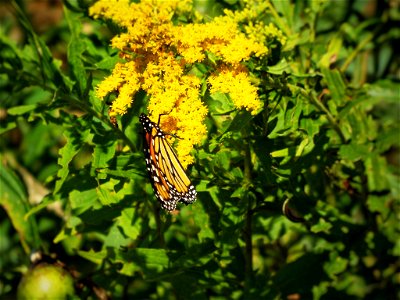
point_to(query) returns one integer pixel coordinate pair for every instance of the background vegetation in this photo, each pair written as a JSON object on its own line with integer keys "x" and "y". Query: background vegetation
{"x": 298, "y": 202}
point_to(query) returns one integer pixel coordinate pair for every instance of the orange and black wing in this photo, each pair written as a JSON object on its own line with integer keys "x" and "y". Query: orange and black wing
{"x": 168, "y": 178}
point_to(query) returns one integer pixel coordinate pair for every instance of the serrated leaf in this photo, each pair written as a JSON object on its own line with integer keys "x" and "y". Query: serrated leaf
{"x": 41, "y": 54}
{"x": 68, "y": 230}
{"x": 384, "y": 91}
{"x": 107, "y": 194}
{"x": 75, "y": 51}
{"x": 152, "y": 258}
{"x": 238, "y": 193}
{"x": 336, "y": 86}
{"x": 151, "y": 262}
{"x": 103, "y": 152}
{"x": 67, "y": 153}
{"x": 280, "y": 153}
{"x": 36, "y": 143}
{"x": 130, "y": 223}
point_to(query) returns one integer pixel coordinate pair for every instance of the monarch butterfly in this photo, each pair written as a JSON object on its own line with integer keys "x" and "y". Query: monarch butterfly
{"x": 168, "y": 178}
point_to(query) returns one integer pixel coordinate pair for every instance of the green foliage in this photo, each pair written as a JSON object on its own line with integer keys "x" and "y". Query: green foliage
{"x": 326, "y": 144}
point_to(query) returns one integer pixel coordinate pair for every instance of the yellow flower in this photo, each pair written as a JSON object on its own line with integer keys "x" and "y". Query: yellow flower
{"x": 159, "y": 56}
{"x": 220, "y": 37}
{"x": 124, "y": 79}
{"x": 236, "y": 83}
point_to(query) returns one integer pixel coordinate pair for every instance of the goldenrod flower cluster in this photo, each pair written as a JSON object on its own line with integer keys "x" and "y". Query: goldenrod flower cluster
{"x": 235, "y": 82}
{"x": 158, "y": 56}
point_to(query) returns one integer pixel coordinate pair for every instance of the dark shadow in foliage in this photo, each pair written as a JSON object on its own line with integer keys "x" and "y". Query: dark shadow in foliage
{"x": 335, "y": 294}
{"x": 239, "y": 122}
{"x": 190, "y": 257}
{"x": 229, "y": 230}
{"x": 212, "y": 210}
{"x": 132, "y": 115}
{"x": 79, "y": 180}
{"x": 262, "y": 146}
{"x": 174, "y": 264}
{"x": 99, "y": 219}
{"x": 301, "y": 276}
{"x": 302, "y": 175}
{"x": 147, "y": 237}
{"x": 191, "y": 271}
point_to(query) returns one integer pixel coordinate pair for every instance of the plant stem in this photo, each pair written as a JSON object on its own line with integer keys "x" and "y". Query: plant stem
{"x": 247, "y": 232}
{"x": 86, "y": 108}
{"x": 159, "y": 225}
{"x": 281, "y": 23}
{"x": 353, "y": 54}
{"x": 328, "y": 114}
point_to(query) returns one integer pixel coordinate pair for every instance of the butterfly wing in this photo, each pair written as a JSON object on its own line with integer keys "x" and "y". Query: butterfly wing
{"x": 175, "y": 174}
{"x": 168, "y": 178}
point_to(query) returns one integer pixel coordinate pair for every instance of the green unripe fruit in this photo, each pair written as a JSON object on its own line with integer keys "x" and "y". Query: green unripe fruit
{"x": 46, "y": 282}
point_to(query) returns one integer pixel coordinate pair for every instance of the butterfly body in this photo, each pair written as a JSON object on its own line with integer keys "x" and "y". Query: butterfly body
{"x": 168, "y": 178}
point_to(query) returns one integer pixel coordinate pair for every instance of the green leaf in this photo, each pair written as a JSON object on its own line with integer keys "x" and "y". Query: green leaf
{"x": 151, "y": 259}
{"x": 376, "y": 169}
{"x": 240, "y": 121}
{"x": 7, "y": 126}
{"x": 67, "y": 153}
{"x": 336, "y": 86}
{"x": 46, "y": 201}
{"x": 116, "y": 238}
{"x": 70, "y": 229}
{"x": 75, "y": 51}
{"x": 354, "y": 152}
{"x": 51, "y": 74}
{"x": 93, "y": 256}
{"x": 20, "y": 110}
{"x": 220, "y": 103}
{"x": 109, "y": 194}
{"x": 281, "y": 67}
{"x": 104, "y": 150}
{"x": 83, "y": 199}
{"x": 131, "y": 174}
{"x": 150, "y": 262}
{"x": 14, "y": 200}
{"x": 379, "y": 204}
{"x": 322, "y": 226}
{"x": 335, "y": 265}
{"x": 108, "y": 63}
{"x": 334, "y": 47}
{"x": 130, "y": 223}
